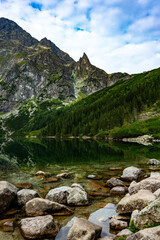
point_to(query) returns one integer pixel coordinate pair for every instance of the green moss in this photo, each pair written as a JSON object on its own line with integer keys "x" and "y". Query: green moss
{"x": 132, "y": 227}
{"x": 22, "y": 63}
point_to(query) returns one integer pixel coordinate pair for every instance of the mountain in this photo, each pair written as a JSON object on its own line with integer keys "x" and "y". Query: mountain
{"x": 126, "y": 109}
{"x": 39, "y": 70}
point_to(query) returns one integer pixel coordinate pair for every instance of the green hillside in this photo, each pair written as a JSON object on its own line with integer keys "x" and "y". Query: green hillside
{"x": 104, "y": 112}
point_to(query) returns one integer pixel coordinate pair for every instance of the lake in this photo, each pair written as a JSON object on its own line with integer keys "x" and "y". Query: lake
{"x": 21, "y": 158}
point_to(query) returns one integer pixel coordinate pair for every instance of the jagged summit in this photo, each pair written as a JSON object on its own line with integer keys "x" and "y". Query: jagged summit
{"x": 10, "y": 30}
{"x": 85, "y": 59}
{"x": 65, "y": 58}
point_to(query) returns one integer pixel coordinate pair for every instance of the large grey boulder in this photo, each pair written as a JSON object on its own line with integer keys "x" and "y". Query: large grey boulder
{"x": 8, "y": 193}
{"x": 74, "y": 195}
{"x": 84, "y": 230}
{"x": 151, "y": 184}
{"x": 39, "y": 227}
{"x": 59, "y": 194}
{"x": 114, "y": 182}
{"x": 25, "y": 195}
{"x": 148, "y": 215}
{"x": 132, "y": 173}
{"x": 77, "y": 197}
{"x": 39, "y": 206}
{"x": 136, "y": 201}
{"x": 146, "y": 234}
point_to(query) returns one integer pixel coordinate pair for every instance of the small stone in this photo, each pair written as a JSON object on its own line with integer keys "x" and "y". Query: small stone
{"x": 63, "y": 175}
{"x": 154, "y": 162}
{"x": 40, "y": 173}
{"x": 117, "y": 224}
{"x": 118, "y": 190}
{"x": 124, "y": 233}
{"x": 23, "y": 185}
{"x": 51, "y": 179}
{"x": 114, "y": 182}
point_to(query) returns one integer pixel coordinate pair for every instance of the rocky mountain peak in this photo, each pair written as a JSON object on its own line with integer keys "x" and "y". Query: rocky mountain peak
{"x": 84, "y": 59}
{"x": 64, "y": 57}
{"x": 9, "y": 30}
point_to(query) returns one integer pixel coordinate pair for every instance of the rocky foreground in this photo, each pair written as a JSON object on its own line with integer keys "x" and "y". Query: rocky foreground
{"x": 137, "y": 216}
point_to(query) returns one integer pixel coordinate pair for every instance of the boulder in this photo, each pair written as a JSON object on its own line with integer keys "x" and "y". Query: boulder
{"x": 25, "y": 195}
{"x": 124, "y": 233}
{"x": 118, "y": 190}
{"x": 132, "y": 173}
{"x": 39, "y": 227}
{"x": 146, "y": 234}
{"x": 84, "y": 230}
{"x": 59, "y": 194}
{"x": 154, "y": 162}
{"x": 148, "y": 215}
{"x": 151, "y": 184}
{"x": 77, "y": 197}
{"x": 7, "y": 195}
{"x": 39, "y": 206}
{"x": 117, "y": 224}
{"x": 136, "y": 201}
{"x": 114, "y": 182}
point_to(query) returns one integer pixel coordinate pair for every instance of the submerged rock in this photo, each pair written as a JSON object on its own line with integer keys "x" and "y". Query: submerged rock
{"x": 84, "y": 230}
{"x": 25, "y": 195}
{"x": 39, "y": 227}
{"x": 39, "y": 206}
{"x": 132, "y": 173}
{"x": 23, "y": 185}
{"x": 7, "y": 195}
{"x": 63, "y": 175}
{"x": 101, "y": 217}
{"x": 136, "y": 201}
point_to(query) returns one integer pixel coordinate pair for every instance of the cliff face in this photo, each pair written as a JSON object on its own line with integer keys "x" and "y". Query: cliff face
{"x": 32, "y": 69}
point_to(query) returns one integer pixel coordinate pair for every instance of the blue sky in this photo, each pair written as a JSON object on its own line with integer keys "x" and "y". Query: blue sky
{"x": 117, "y": 35}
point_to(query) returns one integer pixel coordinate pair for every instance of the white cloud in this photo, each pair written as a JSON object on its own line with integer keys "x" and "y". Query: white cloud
{"x": 115, "y": 36}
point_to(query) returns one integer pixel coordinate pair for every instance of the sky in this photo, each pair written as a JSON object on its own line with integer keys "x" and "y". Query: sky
{"x": 117, "y": 35}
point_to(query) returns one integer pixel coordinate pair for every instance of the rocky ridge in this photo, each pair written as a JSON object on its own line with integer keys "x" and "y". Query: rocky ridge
{"x": 39, "y": 70}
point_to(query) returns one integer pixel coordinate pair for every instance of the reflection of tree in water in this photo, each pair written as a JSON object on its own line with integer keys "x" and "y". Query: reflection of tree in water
{"x": 42, "y": 152}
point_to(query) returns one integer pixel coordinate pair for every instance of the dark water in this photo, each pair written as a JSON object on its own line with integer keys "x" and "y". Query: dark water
{"x": 21, "y": 158}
